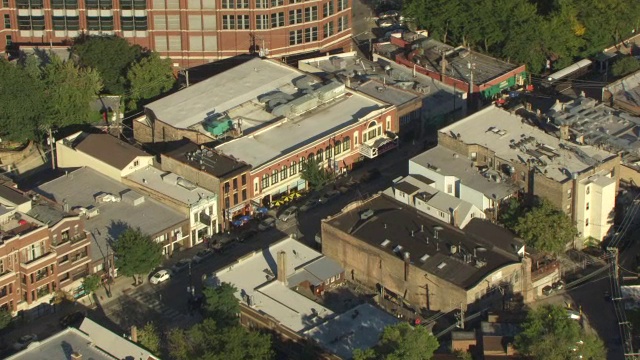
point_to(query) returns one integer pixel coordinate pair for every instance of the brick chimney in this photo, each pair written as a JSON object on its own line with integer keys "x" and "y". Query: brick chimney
{"x": 134, "y": 333}
{"x": 282, "y": 267}
{"x": 76, "y": 356}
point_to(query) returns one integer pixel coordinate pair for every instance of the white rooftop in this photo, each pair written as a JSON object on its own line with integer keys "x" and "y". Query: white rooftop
{"x": 287, "y": 135}
{"x": 171, "y": 185}
{"x": 512, "y": 140}
{"x": 254, "y": 277}
{"x": 222, "y": 92}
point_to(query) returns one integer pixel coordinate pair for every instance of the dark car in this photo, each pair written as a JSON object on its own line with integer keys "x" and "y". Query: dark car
{"x": 311, "y": 202}
{"x": 202, "y": 255}
{"x": 247, "y": 235}
{"x": 558, "y": 285}
{"x": 24, "y": 342}
{"x": 73, "y": 319}
{"x": 547, "y": 290}
{"x": 328, "y": 196}
{"x": 181, "y": 265}
{"x": 371, "y": 175}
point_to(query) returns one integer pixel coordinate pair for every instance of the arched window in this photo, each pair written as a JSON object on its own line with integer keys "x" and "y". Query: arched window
{"x": 293, "y": 169}
{"x": 338, "y": 148}
{"x": 311, "y": 157}
{"x": 274, "y": 177}
{"x": 346, "y": 144}
{"x": 320, "y": 155}
{"x": 372, "y": 124}
{"x": 283, "y": 173}
{"x": 301, "y": 164}
{"x": 327, "y": 152}
{"x": 265, "y": 181}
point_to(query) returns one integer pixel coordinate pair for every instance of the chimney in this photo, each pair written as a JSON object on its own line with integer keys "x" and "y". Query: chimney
{"x": 282, "y": 267}
{"x": 134, "y": 334}
{"x": 407, "y": 265}
{"x": 421, "y": 228}
{"x": 76, "y": 356}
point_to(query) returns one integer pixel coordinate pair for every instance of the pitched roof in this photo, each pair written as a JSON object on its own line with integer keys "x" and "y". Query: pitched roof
{"x": 13, "y": 196}
{"x": 108, "y": 149}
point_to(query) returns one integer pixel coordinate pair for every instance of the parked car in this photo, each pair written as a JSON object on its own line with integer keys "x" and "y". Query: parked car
{"x": 73, "y": 319}
{"x": 246, "y": 235}
{"x": 202, "y": 255}
{"x": 547, "y": 290}
{"x": 160, "y": 276}
{"x": 24, "y": 342}
{"x": 372, "y": 174}
{"x": 288, "y": 213}
{"x": 558, "y": 285}
{"x": 311, "y": 202}
{"x": 267, "y": 224}
{"x": 328, "y": 196}
{"x": 181, "y": 265}
{"x": 389, "y": 14}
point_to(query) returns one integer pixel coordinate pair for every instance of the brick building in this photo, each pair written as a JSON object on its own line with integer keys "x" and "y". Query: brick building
{"x": 190, "y": 32}
{"x": 42, "y": 249}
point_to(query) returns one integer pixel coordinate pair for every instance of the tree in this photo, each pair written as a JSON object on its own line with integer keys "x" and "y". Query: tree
{"x": 403, "y": 342}
{"x": 314, "y": 172}
{"x": 221, "y": 304}
{"x": 110, "y": 56}
{"x": 364, "y": 354}
{"x": 5, "y": 317}
{"x": 149, "y": 337}
{"x": 510, "y": 213}
{"x": 148, "y": 78}
{"x": 90, "y": 284}
{"x": 463, "y": 355}
{"x": 546, "y": 228}
{"x": 136, "y": 253}
{"x": 209, "y": 342}
{"x": 548, "y": 333}
{"x": 625, "y": 66}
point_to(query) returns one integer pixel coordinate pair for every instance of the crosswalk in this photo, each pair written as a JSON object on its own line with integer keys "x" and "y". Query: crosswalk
{"x": 154, "y": 302}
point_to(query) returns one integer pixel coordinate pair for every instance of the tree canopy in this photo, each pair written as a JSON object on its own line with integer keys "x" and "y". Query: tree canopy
{"x": 148, "y": 78}
{"x": 136, "y": 253}
{"x": 546, "y": 228}
{"x": 549, "y": 334}
{"x": 314, "y": 172}
{"x": 149, "y": 337}
{"x": 401, "y": 342}
{"x": 5, "y": 317}
{"x": 625, "y": 66}
{"x": 90, "y": 284}
{"x": 221, "y": 304}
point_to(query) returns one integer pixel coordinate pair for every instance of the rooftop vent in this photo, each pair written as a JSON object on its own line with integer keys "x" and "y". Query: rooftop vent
{"x": 454, "y": 249}
{"x": 397, "y": 249}
{"x": 480, "y": 263}
{"x": 385, "y": 243}
{"x": 366, "y": 214}
{"x": 424, "y": 257}
{"x": 442, "y": 265}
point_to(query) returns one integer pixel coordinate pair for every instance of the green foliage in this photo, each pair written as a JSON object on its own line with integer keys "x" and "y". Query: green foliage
{"x": 364, "y": 354}
{"x": 462, "y": 355}
{"x": 5, "y": 318}
{"x": 207, "y": 341}
{"x": 221, "y": 304}
{"x": 402, "y": 342}
{"x": 91, "y": 283}
{"x": 510, "y": 213}
{"x": 549, "y": 334}
{"x": 136, "y": 253}
{"x": 316, "y": 175}
{"x": 546, "y": 228}
{"x": 625, "y": 66}
{"x": 149, "y": 337}
{"x": 110, "y": 56}
{"x": 148, "y": 78}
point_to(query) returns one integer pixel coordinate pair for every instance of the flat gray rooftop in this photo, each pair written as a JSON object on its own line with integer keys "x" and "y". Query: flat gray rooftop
{"x": 512, "y": 140}
{"x": 358, "y": 328}
{"x": 447, "y": 162}
{"x": 222, "y": 92}
{"x": 60, "y": 347}
{"x": 288, "y": 135}
{"x": 80, "y": 187}
{"x": 389, "y": 94}
{"x": 170, "y": 185}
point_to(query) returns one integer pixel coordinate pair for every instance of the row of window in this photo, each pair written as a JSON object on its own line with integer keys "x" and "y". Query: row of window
{"x": 265, "y": 4}
{"x": 242, "y": 22}
{"x": 73, "y": 4}
{"x": 105, "y": 23}
{"x": 295, "y": 167}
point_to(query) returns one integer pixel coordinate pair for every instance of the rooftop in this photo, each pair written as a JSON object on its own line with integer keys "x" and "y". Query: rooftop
{"x": 449, "y": 163}
{"x": 115, "y": 344}
{"x": 463, "y": 258}
{"x": 626, "y": 90}
{"x": 106, "y": 148}
{"x": 254, "y": 276}
{"x": 358, "y": 328}
{"x": 170, "y": 185}
{"x": 289, "y": 134}
{"x": 223, "y": 92}
{"x": 62, "y": 345}
{"x": 82, "y": 188}
{"x": 11, "y": 196}
{"x": 512, "y": 140}
{"x": 213, "y": 162}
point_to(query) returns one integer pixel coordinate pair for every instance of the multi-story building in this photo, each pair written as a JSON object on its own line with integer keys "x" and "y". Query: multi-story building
{"x": 581, "y": 180}
{"x": 224, "y": 176}
{"x": 43, "y": 248}
{"x": 190, "y": 32}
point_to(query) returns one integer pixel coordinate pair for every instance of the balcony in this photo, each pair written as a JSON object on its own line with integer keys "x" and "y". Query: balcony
{"x": 378, "y": 145}
{"x": 51, "y": 256}
{"x": 72, "y": 240}
{"x": 7, "y": 275}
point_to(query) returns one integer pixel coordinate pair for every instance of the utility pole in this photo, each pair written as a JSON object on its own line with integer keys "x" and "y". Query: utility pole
{"x": 52, "y": 148}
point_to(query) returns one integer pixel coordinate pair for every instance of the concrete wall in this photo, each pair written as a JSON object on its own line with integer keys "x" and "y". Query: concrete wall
{"x": 163, "y": 132}
{"x": 70, "y": 158}
{"x": 629, "y": 175}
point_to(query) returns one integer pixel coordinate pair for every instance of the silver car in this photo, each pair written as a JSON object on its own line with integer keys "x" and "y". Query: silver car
{"x": 288, "y": 214}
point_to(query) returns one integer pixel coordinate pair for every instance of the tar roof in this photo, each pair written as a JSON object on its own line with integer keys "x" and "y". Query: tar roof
{"x": 62, "y": 345}
{"x": 118, "y": 346}
{"x": 222, "y": 92}
{"x": 253, "y": 276}
{"x": 395, "y": 222}
{"x": 288, "y": 135}
{"x": 388, "y": 94}
{"x": 79, "y": 188}
{"x": 15, "y": 197}
{"x": 170, "y": 185}
{"x": 214, "y": 163}
{"x": 358, "y": 328}
{"x": 445, "y": 162}
{"x": 512, "y": 140}
{"x": 108, "y": 149}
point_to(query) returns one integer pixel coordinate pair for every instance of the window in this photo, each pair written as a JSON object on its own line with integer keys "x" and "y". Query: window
{"x": 243, "y": 22}
{"x": 588, "y": 190}
{"x": 343, "y": 23}
{"x": 265, "y": 181}
{"x": 343, "y": 4}
{"x": 337, "y": 149}
{"x": 311, "y": 14}
{"x": 569, "y": 193}
{"x": 133, "y": 4}
{"x": 90, "y": 4}
{"x": 242, "y": 4}
{"x": 26, "y": 4}
{"x": 73, "y": 4}
{"x": 311, "y": 158}
{"x": 449, "y": 189}
{"x": 227, "y": 203}
{"x": 295, "y": 16}
{"x": 228, "y": 22}
{"x": 346, "y": 144}
{"x": 226, "y": 187}
{"x": 244, "y": 179}
{"x": 320, "y": 155}
{"x": 311, "y": 34}
{"x": 295, "y": 37}
{"x": 31, "y": 22}
{"x": 262, "y": 22}
{"x": 235, "y": 184}
{"x": 277, "y": 19}
{"x": 586, "y": 222}
{"x": 587, "y": 206}
{"x": 293, "y": 169}
{"x": 275, "y": 3}
{"x": 64, "y": 259}
{"x": 283, "y": 173}
{"x": 244, "y": 194}
{"x": 262, "y": 4}
{"x": 301, "y": 166}
{"x": 228, "y": 4}
{"x": 8, "y": 39}
{"x": 274, "y": 177}
{"x": 327, "y": 9}
{"x": 388, "y": 128}
{"x": 235, "y": 198}
{"x": 66, "y": 23}
{"x": 5, "y": 3}
{"x": 7, "y": 21}
{"x": 328, "y": 29}
{"x": 100, "y": 23}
